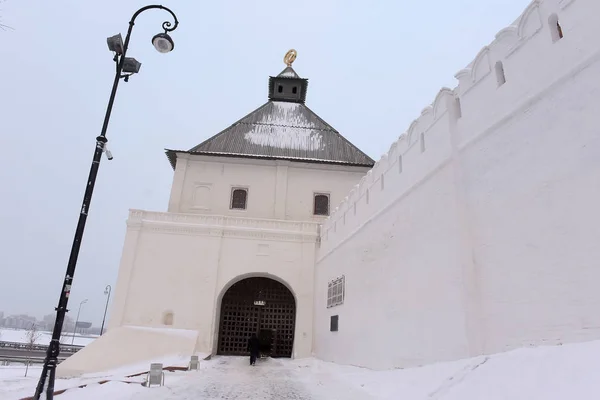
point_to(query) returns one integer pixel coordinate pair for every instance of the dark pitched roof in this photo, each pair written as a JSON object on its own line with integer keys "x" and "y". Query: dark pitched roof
{"x": 286, "y": 130}
{"x": 288, "y": 72}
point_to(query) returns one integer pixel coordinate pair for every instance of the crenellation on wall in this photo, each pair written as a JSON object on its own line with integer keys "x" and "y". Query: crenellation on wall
{"x": 481, "y": 237}
{"x": 369, "y": 196}
{"x": 525, "y": 50}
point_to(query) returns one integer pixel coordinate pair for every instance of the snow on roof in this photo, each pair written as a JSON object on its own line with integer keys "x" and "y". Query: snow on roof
{"x": 284, "y": 130}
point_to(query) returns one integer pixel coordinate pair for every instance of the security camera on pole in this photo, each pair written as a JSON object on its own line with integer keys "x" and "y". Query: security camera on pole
{"x": 125, "y": 67}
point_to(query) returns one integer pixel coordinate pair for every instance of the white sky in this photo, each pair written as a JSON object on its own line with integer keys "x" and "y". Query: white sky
{"x": 372, "y": 67}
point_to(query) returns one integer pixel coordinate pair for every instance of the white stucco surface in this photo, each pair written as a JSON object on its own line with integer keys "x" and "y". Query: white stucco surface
{"x": 177, "y": 265}
{"x": 486, "y": 238}
{"x": 128, "y": 345}
{"x": 476, "y": 233}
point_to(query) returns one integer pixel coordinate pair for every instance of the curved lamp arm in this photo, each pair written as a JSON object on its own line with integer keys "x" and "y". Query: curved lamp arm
{"x": 165, "y": 25}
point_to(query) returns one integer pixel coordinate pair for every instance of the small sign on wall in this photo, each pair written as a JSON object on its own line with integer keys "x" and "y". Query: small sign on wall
{"x": 333, "y": 326}
{"x": 259, "y": 302}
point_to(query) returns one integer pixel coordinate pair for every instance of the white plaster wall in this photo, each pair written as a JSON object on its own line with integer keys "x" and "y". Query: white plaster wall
{"x": 276, "y": 189}
{"x": 536, "y": 224}
{"x": 172, "y": 272}
{"x": 183, "y": 264}
{"x": 403, "y": 303}
{"x": 128, "y": 345}
{"x": 487, "y": 240}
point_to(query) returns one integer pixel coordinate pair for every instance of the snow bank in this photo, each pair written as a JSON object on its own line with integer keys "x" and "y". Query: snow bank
{"x": 566, "y": 372}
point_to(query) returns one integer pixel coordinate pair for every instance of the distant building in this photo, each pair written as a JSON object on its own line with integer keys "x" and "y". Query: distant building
{"x": 47, "y": 323}
{"x": 21, "y": 321}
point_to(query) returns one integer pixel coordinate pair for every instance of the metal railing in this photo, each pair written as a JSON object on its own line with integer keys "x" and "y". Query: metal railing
{"x": 25, "y": 359}
{"x": 64, "y": 348}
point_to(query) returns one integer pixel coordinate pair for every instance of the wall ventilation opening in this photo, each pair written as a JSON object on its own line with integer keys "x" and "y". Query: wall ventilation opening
{"x": 399, "y": 164}
{"x": 367, "y": 196}
{"x": 382, "y": 181}
{"x": 168, "y": 318}
{"x": 555, "y": 28}
{"x": 422, "y": 141}
{"x": 354, "y": 208}
{"x": 500, "y": 76}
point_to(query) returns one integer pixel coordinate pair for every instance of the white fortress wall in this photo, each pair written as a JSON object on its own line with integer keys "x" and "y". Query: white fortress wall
{"x": 485, "y": 238}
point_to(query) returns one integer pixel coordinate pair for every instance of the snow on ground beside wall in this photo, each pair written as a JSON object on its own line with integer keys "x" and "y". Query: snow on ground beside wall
{"x": 566, "y": 372}
{"x": 20, "y": 336}
{"x": 13, "y": 384}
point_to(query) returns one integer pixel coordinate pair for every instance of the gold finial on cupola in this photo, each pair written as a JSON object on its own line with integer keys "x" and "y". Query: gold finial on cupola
{"x": 290, "y": 57}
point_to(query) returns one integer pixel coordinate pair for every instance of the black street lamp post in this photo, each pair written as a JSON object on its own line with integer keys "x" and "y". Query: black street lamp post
{"x": 107, "y": 291}
{"x": 125, "y": 68}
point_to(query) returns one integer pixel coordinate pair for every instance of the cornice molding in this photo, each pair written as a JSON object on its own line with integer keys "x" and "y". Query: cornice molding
{"x": 223, "y": 226}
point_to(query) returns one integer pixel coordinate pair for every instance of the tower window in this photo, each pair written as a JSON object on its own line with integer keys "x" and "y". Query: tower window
{"x": 500, "y": 76}
{"x": 555, "y": 28}
{"x": 295, "y": 89}
{"x": 321, "y": 204}
{"x": 279, "y": 89}
{"x": 239, "y": 198}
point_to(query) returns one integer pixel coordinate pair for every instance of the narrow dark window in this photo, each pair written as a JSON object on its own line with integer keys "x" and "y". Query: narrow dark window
{"x": 555, "y": 28}
{"x": 500, "y": 76}
{"x": 280, "y": 89}
{"x": 458, "y": 108}
{"x": 334, "y": 324}
{"x": 321, "y": 204}
{"x": 239, "y": 198}
{"x": 294, "y": 90}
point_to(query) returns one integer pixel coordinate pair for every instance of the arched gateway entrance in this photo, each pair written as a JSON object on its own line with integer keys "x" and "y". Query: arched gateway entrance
{"x": 257, "y": 305}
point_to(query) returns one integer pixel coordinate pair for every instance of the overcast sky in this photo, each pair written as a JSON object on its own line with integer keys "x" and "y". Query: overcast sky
{"x": 372, "y": 67}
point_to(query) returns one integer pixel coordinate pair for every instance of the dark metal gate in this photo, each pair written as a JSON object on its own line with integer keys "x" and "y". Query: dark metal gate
{"x": 254, "y": 305}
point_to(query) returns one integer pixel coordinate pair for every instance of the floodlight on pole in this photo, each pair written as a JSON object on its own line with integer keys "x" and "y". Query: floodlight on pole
{"x": 131, "y": 65}
{"x": 115, "y": 43}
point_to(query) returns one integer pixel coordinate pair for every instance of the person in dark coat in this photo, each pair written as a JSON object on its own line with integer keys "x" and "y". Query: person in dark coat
{"x": 253, "y": 348}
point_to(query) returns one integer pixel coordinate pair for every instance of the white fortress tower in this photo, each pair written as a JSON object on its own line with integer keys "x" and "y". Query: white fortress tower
{"x": 235, "y": 252}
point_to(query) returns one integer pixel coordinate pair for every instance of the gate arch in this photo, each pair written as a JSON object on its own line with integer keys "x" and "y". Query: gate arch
{"x": 253, "y": 305}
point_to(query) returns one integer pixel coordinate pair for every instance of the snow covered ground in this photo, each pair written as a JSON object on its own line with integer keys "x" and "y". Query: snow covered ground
{"x": 549, "y": 373}
{"x": 20, "y": 336}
